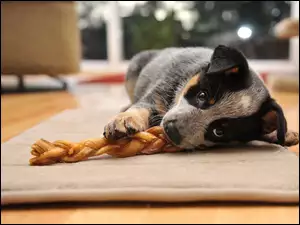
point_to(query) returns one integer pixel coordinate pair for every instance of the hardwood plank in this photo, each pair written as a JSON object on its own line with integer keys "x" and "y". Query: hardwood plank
{"x": 22, "y": 111}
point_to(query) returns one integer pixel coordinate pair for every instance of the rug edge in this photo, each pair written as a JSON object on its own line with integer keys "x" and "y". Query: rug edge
{"x": 151, "y": 195}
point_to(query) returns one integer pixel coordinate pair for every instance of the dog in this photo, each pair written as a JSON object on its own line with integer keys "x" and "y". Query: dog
{"x": 201, "y": 97}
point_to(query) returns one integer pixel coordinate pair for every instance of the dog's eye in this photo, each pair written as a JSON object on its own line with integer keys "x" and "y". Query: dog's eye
{"x": 202, "y": 96}
{"x": 218, "y": 132}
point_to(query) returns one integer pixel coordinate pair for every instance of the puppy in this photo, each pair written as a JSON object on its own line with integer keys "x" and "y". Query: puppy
{"x": 201, "y": 97}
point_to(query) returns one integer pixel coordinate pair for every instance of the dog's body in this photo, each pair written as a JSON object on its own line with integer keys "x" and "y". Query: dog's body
{"x": 199, "y": 96}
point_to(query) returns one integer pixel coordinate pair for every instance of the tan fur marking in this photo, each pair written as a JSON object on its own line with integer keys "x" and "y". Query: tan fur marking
{"x": 192, "y": 82}
{"x": 159, "y": 105}
{"x": 212, "y": 101}
{"x": 139, "y": 115}
{"x": 233, "y": 70}
{"x": 269, "y": 122}
{"x": 134, "y": 118}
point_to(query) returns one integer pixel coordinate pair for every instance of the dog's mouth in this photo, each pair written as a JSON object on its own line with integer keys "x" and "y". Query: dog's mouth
{"x": 183, "y": 144}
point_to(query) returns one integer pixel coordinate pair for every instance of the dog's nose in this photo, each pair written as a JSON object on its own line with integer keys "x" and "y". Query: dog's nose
{"x": 172, "y": 131}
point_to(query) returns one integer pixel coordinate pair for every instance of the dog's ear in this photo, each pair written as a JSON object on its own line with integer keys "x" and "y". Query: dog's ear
{"x": 229, "y": 67}
{"x": 274, "y": 125}
{"x": 227, "y": 60}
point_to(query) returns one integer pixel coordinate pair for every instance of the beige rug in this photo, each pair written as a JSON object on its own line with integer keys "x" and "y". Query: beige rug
{"x": 266, "y": 173}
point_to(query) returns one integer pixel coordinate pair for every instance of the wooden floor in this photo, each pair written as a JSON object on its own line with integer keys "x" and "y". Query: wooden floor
{"x": 20, "y": 112}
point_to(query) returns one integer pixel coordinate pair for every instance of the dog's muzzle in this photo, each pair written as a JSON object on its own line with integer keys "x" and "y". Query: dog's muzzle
{"x": 172, "y": 132}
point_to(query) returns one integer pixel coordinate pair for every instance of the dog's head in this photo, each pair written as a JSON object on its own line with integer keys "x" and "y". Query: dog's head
{"x": 225, "y": 103}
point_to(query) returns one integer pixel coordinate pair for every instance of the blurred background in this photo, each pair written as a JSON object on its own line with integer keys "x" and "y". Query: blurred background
{"x": 138, "y": 25}
{"x": 247, "y": 25}
{"x": 97, "y": 38}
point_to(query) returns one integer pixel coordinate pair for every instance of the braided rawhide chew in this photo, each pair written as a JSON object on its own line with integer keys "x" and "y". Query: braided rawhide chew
{"x": 150, "y": 141}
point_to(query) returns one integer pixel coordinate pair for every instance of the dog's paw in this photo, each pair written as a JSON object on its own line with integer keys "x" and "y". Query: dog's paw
{"x": 123, "y": 125}
{"x": 291, "y": 138}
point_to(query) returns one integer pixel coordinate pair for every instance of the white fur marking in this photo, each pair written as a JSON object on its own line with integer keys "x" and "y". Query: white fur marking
{"x": 181, "y": 101}
{"x": 246, "y": 101}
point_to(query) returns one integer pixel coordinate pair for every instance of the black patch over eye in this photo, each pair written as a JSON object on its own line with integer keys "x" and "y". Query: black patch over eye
{"x": 218, "y": 132}
{"x": 241, "y": 129}
{"x": 197, "y": 97}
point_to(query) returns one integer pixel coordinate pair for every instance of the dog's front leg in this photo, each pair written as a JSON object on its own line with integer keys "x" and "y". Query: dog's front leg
{"x": 126, "y": 123}
{"x": 138, "y": 117}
